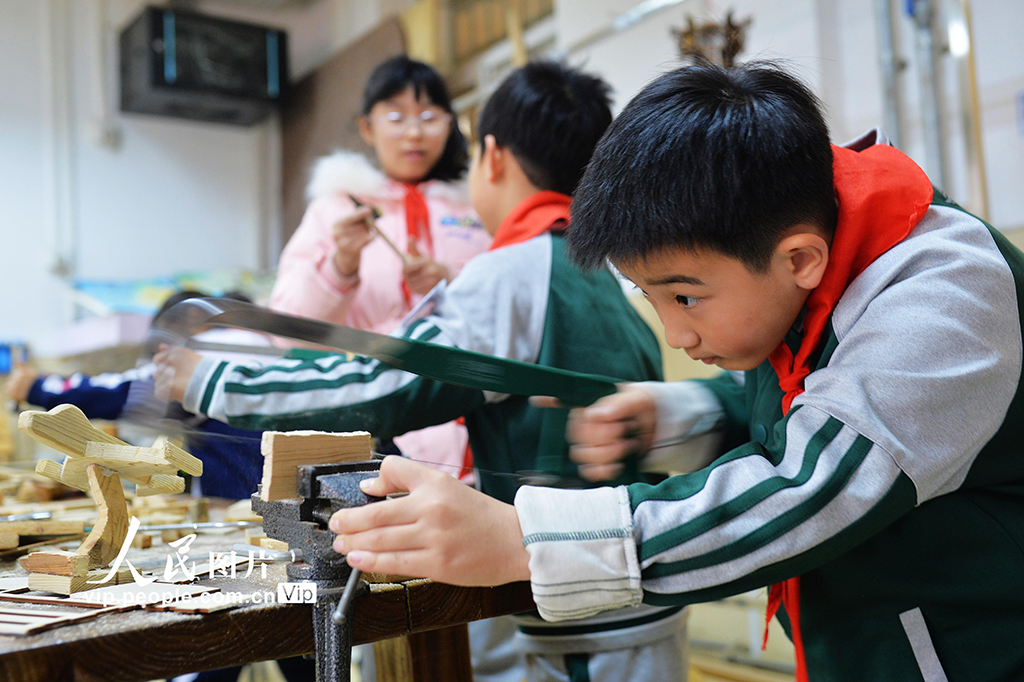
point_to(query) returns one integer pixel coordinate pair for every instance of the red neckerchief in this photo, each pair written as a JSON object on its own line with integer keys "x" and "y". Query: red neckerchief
{"x": 417, "y": 225}
{"x": 532, "y": 217}
{"x": 882, "y": 195}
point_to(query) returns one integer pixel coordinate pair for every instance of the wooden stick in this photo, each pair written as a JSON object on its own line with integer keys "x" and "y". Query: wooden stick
{"x": 371, "y": 221}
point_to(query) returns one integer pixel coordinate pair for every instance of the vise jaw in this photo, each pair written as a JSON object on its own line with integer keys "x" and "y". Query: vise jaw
{"x": 322, "y": 489}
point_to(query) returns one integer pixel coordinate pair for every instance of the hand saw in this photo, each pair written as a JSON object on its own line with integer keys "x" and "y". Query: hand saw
{"x": 442, "y": 363}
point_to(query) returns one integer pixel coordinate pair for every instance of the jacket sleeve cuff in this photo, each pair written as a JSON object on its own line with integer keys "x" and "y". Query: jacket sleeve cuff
{"x": 203, "y": 385}
{"x": 332, "y": 280}
{"x": 688, "y": 432}
{"x": 583, "y": 557}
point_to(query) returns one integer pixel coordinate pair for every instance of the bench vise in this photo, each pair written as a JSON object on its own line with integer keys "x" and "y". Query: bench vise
{"x": 302, "y": 522}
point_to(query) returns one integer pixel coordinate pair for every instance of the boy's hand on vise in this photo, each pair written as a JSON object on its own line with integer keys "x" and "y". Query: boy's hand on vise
{"x": 421, "y": 273}
{"x": 443, "y": 530}
{"x": 351, "y": 234}
{"x": 174, "y": 367}
{"x": 20, "y": 382}
{"x": 602, "y": 435}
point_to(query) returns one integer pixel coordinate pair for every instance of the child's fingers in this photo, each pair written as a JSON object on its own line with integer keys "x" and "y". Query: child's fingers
{"x": 416, "y": 563}
{"x": 371, "y": 517}
{"x": 402, "y": 473}
{"x": 401, "y": 538}
{"x": 600, "y": 472}
{"x": 585, "y": 431}
{"x": 605, "y": 453}
{"x": 544, "y": 401}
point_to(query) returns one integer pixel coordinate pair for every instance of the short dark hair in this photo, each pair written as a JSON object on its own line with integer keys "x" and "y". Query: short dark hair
{"x": 550, "y": 117}
{"x": 710, "y": 158}
{"x": 398, "y": 73}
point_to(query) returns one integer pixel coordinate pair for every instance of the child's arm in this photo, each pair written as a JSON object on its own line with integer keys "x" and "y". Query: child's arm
{"x": 674, "y": 426}
{"x": 318, "y": 273}
{"x": 100, "y": 397}
{"x": 443, "y": 529}
{"x": 495, "y": 307}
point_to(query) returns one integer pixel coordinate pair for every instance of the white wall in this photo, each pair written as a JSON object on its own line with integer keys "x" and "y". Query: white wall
{"x": 181, "y": 195}
{"x": 173, "y": 195}
{"x": 832, "y": 44}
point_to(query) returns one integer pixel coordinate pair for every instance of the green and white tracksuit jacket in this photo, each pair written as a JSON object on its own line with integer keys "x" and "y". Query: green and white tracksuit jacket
{"x": 525, "y": 302}
{"x": 894, "y": 486}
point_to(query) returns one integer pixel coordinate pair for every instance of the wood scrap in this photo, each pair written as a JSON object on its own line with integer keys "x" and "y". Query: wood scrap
{"x": 284, "y": 452}
{"x": 241, "y": 511}
{"x": 21, "y": 621}
{"x": 69, "y": 584}
{"x": 271, "y": 543}
{"x": 253, "y": 536}
{"x": 6, "y": 554}
{"x": 11, "y": 532}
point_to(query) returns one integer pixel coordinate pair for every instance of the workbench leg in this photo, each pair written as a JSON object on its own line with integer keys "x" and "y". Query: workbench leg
{"x": 425, "y": 657}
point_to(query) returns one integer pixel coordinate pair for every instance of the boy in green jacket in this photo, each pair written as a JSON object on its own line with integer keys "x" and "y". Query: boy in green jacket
{"x": 867, "y": 463}
{"x": 522, "y": 300}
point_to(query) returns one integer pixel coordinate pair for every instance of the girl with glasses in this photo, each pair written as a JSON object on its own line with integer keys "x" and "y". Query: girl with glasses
{"x": 337, "y": 267}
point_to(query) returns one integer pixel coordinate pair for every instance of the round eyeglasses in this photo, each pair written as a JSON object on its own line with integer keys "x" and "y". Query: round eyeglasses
{"x": 430, "y": 122}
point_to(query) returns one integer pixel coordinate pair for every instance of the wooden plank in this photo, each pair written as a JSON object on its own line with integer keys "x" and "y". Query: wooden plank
{"x": 138, "y": 595}
{"x": 284, "y": 452}
{"x": 14, "y": 621}
{"x": 48, "y": 542}
{"x": 432, "y": 605}
{"x": 161, "y": 645}
{"x": 9, "y": 540}
{"x": 203, "y": 603}
{"x": 380, "y": 613}
{"x": 56, "y": 563}
{"x": 58, "y": 584}
{"x": 64, "y": 428}
{"x": 42, "y": 527}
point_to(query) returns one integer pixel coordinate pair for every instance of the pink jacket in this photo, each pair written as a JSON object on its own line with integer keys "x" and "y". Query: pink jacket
{"x": 309, "y": 285}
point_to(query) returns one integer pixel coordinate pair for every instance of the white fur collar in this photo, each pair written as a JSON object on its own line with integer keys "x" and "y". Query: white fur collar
{"x": 352, "y": 172}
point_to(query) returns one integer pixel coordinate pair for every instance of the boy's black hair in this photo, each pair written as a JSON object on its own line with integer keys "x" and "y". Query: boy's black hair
{"x": 176, "y": 298}
{"x": 550, "y": 117}
{"x": 710, "y": 158}
{"x": 398, "y": 73}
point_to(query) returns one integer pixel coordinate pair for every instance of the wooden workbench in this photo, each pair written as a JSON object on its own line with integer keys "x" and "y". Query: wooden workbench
{"x": 144, "y": 645}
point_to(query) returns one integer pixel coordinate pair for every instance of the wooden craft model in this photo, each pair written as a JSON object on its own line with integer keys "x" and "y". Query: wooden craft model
{"x": 95, "y": 462}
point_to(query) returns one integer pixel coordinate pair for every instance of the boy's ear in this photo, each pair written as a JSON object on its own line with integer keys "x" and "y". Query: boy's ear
{"x": 492, "y": 160}
{"x": 805, "y": 257}
{"x": 365, "y": 131}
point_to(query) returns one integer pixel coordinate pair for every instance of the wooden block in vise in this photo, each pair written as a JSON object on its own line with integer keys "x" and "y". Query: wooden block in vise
{"x": 283, "y": 453}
